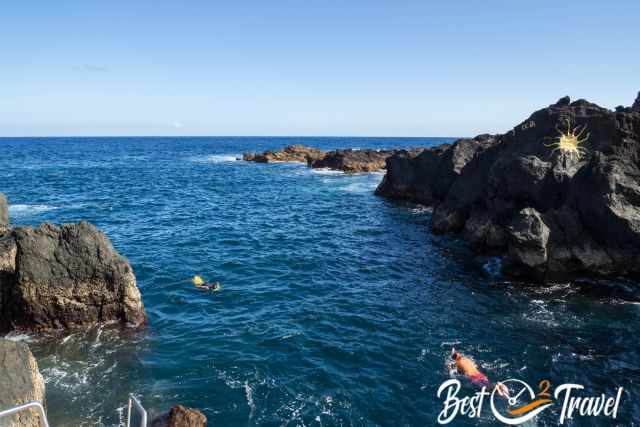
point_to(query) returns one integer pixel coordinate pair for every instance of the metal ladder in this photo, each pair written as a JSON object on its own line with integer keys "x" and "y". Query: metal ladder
{"x": 134, "y": 403}
{"x": 31, "y": 405}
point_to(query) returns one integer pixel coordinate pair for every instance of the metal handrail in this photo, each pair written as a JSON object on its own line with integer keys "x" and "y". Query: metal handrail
{"x": 143, "y": 413}
{"x": 35, "y": 404}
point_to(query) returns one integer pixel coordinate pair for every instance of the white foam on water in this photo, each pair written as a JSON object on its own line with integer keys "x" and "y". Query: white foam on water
{"x": 291, "y": 335}
{"x": 248, "y": 391}
{"x": 26, "y": 210}
{"x": 18, "y": 337}
{"x": 66, "y": 339}
{"x": 325, "y": 171}
{"x": 96, "y": 342}
{"x": 121, "y": 418}
{"x": 217, "y": 158}
{"x": 419, "y": 210}
{"x": 358, "y": 187}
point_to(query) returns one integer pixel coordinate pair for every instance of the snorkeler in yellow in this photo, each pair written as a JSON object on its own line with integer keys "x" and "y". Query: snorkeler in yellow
{"x": 201, "y": 284}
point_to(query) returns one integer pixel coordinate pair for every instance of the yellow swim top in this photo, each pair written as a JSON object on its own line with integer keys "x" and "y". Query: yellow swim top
{"x": 197, "y": 280}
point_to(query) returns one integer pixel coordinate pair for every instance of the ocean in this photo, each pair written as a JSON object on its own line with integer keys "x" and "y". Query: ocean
{"x": 337, "y": 308}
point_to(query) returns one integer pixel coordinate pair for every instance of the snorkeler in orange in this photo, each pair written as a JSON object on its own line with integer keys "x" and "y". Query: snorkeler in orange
{"x": 469, "y": 369}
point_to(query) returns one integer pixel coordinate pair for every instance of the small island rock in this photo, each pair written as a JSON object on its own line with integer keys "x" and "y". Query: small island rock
{"x": 291, "y": 153}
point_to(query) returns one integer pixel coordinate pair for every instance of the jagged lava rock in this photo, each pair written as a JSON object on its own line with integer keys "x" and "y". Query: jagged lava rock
{"x": 350, "y": 160}
{"x": 180, "y": 416}
{"x": 64, "y": 277}
{"x": 553, "y": 213}
{"x": 20, "y": 382}
{"x": 425, "y": 176}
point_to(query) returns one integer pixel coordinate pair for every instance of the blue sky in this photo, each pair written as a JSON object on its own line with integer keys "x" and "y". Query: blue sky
{"x": 385, "y": 68}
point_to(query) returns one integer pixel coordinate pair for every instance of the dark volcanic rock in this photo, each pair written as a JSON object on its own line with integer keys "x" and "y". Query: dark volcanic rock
{"x": 180, "y": 416}
{"x": 528, "y": 238}
{"x": 4, "y": 210}
{"x": 425, "y": 176}
{"x": 636, "y": 105}
{"x": 63, "y": 277}
{"x": 20, "y": 382}
{"x": 555, "y": 214}
{"x": 291, "y": 153}
{"x": 353, "y": 160}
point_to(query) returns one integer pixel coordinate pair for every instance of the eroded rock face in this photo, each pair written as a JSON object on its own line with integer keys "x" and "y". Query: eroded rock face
{"x": 20, "y": 382}
{"x": 353, "y": 160}
{"x": 4, "y": 210}
{"x": 553, "y": 213}
{"x": 291, "y": 153}
{"x": 426, "y": 176}
{"x": 528, "y": 236}
{"x": 180, "y": 416}
{"x": 58, "y": 277}
{"x": 636, "y": 104}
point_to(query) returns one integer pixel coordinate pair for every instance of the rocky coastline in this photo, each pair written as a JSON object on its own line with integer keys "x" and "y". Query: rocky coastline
{"x": 57, "y": 278}
{"x": 558, "y": 196}
{"x": 349, "y": 160}
{"x": 353, "y": 161}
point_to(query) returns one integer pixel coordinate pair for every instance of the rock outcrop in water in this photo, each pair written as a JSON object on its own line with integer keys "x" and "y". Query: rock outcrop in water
{"x": 556, "y": 208}
{"x": 291, "y": 153}
{"x": 180, "y": 416}
{"x": 354, "y": 160}
{"x": 20, "y": 382}
{"x": 56, "y": 277}
{"x": 349, "y": 160}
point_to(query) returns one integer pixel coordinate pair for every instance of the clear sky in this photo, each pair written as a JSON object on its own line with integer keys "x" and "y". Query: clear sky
{"x": 307, "y": 67}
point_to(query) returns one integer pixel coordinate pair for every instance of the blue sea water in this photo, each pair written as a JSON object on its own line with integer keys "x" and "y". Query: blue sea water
{"x": 337, "y": 307}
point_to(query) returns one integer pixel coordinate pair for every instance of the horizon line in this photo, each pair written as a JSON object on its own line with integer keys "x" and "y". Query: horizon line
{"x": 226, "y": 136}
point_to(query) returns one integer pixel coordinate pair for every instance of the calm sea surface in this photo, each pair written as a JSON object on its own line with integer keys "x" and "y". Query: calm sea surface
{"x": 337, "y": 307}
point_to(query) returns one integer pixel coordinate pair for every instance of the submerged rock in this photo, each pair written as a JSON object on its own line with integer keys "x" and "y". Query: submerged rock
{"x": 556, "y": 208}
{"x": 291, "y": 153}
{"x": 57, "y": 277}
{"x": 353, "y": 160}
{"x": 180, "y": 416}
{"x": 20, "y": 382}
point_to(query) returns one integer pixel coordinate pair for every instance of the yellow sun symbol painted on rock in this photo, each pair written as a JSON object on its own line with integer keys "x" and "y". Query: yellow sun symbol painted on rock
{"x": 570, "y": 142}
